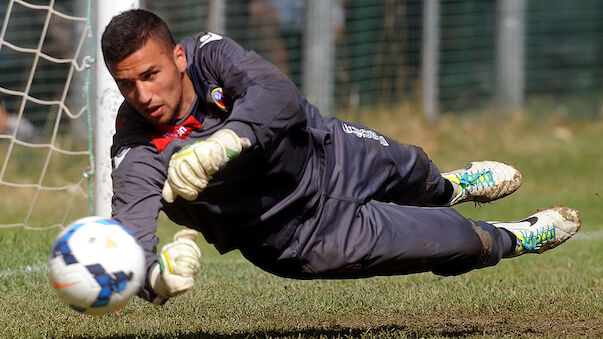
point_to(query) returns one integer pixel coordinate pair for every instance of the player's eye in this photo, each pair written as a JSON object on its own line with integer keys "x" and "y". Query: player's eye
{"x": 149, "y": 76}
{"x": 125, "y": 85}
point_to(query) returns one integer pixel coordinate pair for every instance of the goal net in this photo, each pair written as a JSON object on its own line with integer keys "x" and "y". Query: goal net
{"x": 45, "y": 149}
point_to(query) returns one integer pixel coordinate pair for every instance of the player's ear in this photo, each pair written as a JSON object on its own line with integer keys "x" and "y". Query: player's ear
{"x": 180, "y": 58}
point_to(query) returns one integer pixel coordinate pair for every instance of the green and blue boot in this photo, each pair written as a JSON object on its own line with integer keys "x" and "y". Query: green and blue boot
{"x": 542, "y": 231}
{"x": 483, "y": 181}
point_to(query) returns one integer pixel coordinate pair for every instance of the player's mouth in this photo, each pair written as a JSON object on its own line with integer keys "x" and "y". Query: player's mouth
{"x": 155, "y": 111}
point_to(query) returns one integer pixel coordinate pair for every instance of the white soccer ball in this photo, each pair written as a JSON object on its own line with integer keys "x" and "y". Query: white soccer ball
{"x": 96, "y": 266}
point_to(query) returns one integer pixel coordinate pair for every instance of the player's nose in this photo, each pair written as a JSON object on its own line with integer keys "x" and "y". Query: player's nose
{"x": 143, "y": 92}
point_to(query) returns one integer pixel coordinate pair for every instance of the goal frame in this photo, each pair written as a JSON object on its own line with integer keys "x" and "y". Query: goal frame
{"x": 107, "y": 101}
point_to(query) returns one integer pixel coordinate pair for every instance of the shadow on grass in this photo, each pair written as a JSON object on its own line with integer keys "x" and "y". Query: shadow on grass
{"x": 337, "y": 332}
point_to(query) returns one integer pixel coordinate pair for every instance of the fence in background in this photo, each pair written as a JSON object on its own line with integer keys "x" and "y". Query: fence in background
{"x": 455, "y": 56}
{"x": 555, "y": 52}
{"x": 45, "y": 75}
{"x": 378, "y": 48}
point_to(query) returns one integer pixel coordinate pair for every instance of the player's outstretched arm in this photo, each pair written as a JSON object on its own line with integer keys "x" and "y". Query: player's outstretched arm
{"x": 177, "y": 266}
{"x": 193, "y": 166}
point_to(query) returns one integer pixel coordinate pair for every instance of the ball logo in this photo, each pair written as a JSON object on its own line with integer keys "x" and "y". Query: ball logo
{"x": 110, "y": 243}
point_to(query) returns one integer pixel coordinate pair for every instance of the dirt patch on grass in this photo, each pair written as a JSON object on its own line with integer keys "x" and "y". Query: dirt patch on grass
{"x": 420, "y": 326}
{"x": 497, "y": 325}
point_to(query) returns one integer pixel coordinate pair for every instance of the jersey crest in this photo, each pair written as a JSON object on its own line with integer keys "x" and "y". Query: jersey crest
{"x": 217, "y": 96}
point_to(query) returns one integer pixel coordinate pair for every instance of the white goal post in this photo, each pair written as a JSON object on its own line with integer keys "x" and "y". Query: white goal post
{"x": 107, "y": 101}
{"x": 52, "y": 82}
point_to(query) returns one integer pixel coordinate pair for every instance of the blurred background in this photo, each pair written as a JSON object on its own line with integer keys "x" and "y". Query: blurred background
{"x": 518, "y": 81}
{"x": 447, "y": 75}
{"x": 552, "y": 49}
{"x": 449, "y": 56}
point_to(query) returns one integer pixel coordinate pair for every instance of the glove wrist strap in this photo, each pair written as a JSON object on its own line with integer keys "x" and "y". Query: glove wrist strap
{"x": 158, "y": 286}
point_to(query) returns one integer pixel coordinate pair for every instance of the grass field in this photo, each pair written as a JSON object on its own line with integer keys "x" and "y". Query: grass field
{"x": 557, "y": 294}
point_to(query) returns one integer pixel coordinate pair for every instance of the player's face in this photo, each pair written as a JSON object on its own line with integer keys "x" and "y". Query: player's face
{"x": 155, "y": 82}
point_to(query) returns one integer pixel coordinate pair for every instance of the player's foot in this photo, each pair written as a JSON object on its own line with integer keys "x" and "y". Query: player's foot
{"x": 544, "y": 230}
{"x": 483, "y": 181}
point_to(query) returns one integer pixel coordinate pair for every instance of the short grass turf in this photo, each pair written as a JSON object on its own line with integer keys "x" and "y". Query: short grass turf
{"x": 556, "y": 294}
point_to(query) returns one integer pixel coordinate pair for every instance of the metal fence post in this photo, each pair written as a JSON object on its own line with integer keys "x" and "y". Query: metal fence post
{"x": 429, "y": 63}
{"x": 318, "y": 56}
{"x": 216, "y": 22}
{"x": 510, "y": 55}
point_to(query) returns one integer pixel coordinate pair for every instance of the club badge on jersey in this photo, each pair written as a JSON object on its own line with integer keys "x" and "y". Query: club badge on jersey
{"x": 218, "y": 98}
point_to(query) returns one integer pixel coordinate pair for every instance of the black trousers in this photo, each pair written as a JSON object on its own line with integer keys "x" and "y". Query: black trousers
{"x": 378, "y": 215}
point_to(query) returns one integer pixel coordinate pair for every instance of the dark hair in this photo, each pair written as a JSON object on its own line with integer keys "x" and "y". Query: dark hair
{"x": 130, "y": 30}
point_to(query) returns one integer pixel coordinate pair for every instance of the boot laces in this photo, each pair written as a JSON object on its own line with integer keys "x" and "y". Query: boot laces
{"x": 534, "y": 240}
{"x": 470, "y": 181}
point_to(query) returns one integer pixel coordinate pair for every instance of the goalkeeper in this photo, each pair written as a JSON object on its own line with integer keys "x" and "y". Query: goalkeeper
{"x": 223, "y": 143}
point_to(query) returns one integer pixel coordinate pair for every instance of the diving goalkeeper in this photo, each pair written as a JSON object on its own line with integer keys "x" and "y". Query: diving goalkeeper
{"x": 221, "y": 141}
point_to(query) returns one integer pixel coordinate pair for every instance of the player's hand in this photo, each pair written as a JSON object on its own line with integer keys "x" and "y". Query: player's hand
{"x": 178, "y": 265}
{"x": 193, "y": 166}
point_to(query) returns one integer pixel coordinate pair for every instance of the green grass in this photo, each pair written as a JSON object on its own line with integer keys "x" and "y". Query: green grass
{"x": 557, "y": 294}
{"x": 41, "y": 165}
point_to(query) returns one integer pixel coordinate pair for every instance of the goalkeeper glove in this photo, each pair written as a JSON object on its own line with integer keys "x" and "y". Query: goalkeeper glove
{"x": 193, "y": 166}
{"x": 178, "y": 263}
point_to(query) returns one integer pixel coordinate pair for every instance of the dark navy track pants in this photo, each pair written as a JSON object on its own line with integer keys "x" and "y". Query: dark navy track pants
{"x": 378, "y": 215}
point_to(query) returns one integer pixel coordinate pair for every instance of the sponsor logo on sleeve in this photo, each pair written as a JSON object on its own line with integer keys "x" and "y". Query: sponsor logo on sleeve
{"x": 364, "y": 133}
{"x": 120, "y": 157}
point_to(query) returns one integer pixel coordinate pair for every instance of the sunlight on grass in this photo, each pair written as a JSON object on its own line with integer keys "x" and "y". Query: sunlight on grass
{"x": 556, "y": 294}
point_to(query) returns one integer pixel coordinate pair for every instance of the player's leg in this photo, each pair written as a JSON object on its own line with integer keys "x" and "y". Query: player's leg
{"x": 368, "y": 165}
{"x": 376, "y": 238}
{"x": 354, "y": 240}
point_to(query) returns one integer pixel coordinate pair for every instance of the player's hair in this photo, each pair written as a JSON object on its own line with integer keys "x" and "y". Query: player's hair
{"x": 130, "y": 30}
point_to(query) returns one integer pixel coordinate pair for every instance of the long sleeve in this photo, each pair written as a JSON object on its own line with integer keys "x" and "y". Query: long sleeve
{"x": 138, "y": 175}
{"x": 254, "y": 91}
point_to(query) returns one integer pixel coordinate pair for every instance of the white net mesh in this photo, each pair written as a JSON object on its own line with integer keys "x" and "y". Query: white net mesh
{"x": 44, "y": 148}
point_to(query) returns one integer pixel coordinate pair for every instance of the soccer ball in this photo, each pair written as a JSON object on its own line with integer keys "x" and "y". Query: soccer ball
{"x": 96, "y": 266}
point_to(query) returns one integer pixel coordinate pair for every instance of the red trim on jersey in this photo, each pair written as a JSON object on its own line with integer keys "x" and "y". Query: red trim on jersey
{"x": 118, "y": 122}
{"x": 164, "y": 134}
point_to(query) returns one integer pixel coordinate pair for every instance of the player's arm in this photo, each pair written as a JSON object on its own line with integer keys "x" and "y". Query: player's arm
{"x": 259, "y": 94}
{"x": 263, "y": 105}
{"x": 138, "y": 175}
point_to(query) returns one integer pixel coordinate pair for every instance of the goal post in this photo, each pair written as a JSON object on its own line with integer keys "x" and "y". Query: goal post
{"x": 55, "y": 132}
{"x": 107, "y": 102}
